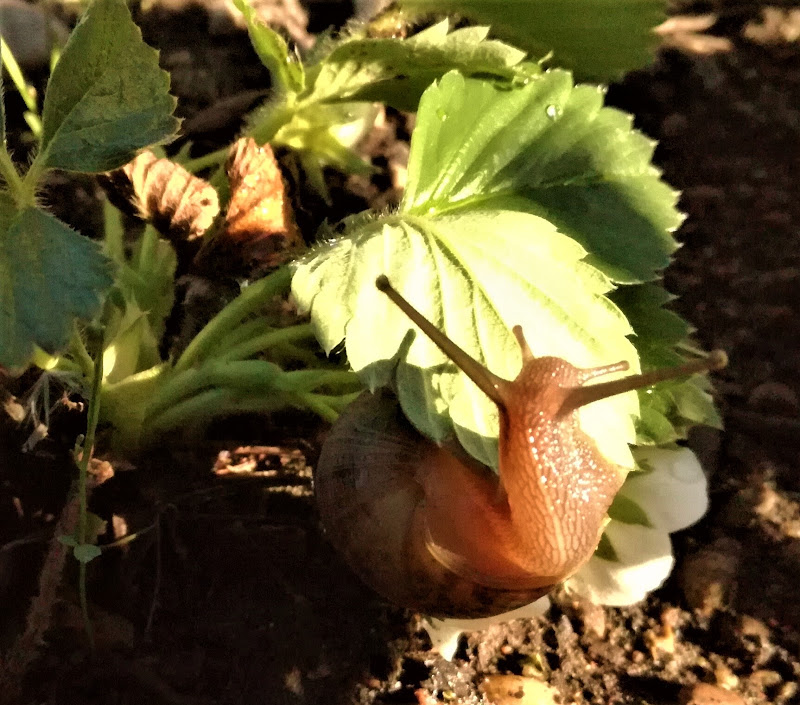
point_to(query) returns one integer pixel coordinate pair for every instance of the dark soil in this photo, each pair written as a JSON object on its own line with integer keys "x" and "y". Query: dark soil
{"x": 232, "y": 595}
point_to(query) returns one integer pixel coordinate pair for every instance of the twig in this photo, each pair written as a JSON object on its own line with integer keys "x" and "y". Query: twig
{"x": 25, "y": 649}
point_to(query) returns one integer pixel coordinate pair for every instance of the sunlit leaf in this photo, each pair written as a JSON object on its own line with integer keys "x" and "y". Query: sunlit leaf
{"x": 107, "y": 96}
{"x": 396, "y": 72}
{"x": 551, "y": 149}
{"x": 475, "y": 276}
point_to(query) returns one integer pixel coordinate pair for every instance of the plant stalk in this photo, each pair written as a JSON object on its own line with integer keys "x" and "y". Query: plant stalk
{"x": 83, "y": 476}
{"x": 249, "y": 301}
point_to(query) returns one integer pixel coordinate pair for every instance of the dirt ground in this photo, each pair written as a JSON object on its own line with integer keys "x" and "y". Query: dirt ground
{"x": 232, "y": 596}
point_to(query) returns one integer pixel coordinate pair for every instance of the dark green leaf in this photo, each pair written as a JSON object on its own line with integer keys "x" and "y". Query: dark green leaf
{"x": 599, "y": 39}
{"x": 107, "y": 96}
{"x": 551, "y": 149}
{"x": 606, "y": 550}
{"x": 49, "y": 274}
{"x": 643, "y": 306}
{"x": 654, "y": 428}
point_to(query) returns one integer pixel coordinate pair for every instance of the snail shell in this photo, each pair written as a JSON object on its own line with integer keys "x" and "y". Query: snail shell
{"x": 371, "y": 504}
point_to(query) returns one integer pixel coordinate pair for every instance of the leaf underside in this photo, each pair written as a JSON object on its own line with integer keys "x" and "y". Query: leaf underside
{"x": 522, "y": 206}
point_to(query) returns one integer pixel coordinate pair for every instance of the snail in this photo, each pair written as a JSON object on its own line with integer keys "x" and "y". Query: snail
{"x": 432, "y": 530}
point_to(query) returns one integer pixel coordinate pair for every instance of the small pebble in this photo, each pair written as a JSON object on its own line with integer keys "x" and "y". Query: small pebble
{"x": 517, "y": 690}
{"x": 725, "y": 677}
{"x": 707, "y": 694}
{"x": 765, "y": 678}
{"x": 708, "y": 577}
{"x": 774, "y": 397}
{"x": 752, "y": 627}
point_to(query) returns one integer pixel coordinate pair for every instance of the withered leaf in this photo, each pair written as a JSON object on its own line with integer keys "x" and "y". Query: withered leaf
{"x": 180, "y": 206}
{"x": 260, "y": 221}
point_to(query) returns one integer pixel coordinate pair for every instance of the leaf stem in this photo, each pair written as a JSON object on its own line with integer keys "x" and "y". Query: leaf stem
{"x": 249, "y": 301}
{"x": 207, "y": 160}
{"x": 83, "y": 474}
{"x": 10, "y": 174}
{"x": 248, "y": 348}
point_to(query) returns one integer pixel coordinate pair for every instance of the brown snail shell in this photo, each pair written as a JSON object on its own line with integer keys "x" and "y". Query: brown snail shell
{"x": 372, "y": 457}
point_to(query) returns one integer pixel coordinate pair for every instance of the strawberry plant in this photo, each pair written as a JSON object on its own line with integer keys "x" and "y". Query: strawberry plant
{"x": 527, "y": 202}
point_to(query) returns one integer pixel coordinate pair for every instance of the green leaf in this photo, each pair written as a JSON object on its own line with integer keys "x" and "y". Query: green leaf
{"x": 49, "y": 274}
{"x": 287, "y": 73}
{"x": 2, "y": 110}
{"x": 107, "y": 96}
{"x": 627, "y": 511}
{"x": 475, "y": 275}
{"x": 606, "y": 550}
{"x": 86, "y": 552}
{"x": 551, "y": 149}
{"x": 669, "y": 409}
{"x": 131, "y": 344}
{"x": 643, "y": 306}
{"x": 396, "y": 71}
{"x": 598, "y": 39}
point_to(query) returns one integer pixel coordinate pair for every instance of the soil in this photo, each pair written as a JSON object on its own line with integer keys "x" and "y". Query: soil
{"x": 230, "y": 594}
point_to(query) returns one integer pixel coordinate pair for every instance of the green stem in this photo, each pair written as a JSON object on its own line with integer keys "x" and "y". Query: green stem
{"x": 253, "y": 298}
{"x": 81, "y": 354}
{"x": 83, "y": 474}
{"x": 250, "y": 329}
{"x": 245, "y": 378}
{"x": 248, "y": 348}
{"x": 10, "y": 174}
{"x": 211, "y": 159}
{"x": 114, "y": 233}
{"x": 24, "y": 88}
{"x": 147, "y": 249}
{"x": 221, "y": 402}
{"x": 249, "y": 376}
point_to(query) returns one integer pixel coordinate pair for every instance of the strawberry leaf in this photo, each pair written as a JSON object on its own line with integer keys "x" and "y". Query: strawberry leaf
{"x": 396, "y": 72}
{"x": 107, "y": 96}
{"x": 476, "y": 249}
{"x": 474, "y": 276}
{"x": 49, "y": 274}
{"x": 598, "y": 39}
{"x": 287, "y": 73}
{"x": 551, "y": 149}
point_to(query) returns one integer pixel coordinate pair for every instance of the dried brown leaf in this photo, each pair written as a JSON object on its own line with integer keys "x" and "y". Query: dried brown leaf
{"x": 259, "y": 226}
{"x": 180, "y": 206}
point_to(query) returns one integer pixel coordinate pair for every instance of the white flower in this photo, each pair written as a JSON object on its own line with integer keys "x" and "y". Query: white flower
{"x": 444, "y": 633}
{"x": 672, "y": 494}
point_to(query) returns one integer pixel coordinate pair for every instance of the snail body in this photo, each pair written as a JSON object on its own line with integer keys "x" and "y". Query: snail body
{"x": 431, "y": 529}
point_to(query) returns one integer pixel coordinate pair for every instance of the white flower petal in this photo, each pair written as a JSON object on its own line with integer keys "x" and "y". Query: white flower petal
{"x": 675, "y": 494}
{"x": 644, "y": 562}
{"x": 444, "y": 633}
